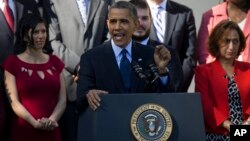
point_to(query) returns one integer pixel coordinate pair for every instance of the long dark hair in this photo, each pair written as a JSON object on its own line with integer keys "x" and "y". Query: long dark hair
{"x": 30, "y": 21}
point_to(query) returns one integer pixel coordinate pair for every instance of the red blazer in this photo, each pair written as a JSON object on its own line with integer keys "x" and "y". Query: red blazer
{"x": 210, "y": 81}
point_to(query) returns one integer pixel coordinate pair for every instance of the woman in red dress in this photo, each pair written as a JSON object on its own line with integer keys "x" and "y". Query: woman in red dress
{"x": 35, "y": 86}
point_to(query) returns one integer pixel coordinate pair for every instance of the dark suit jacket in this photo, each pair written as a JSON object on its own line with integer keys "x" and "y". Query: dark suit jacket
{"x": 174, "y": 66}
{"x": 7, "y": 38}
{"x": 99, "y": 70}
{"x": 7, "y": 43}
{"x": 180, "y": 34}
{"x": 210, "y": 81}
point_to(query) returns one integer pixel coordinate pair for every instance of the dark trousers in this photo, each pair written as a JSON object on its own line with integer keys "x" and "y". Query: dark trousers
{"x": 69, "y": 122}
{"x": 2, "y": 117}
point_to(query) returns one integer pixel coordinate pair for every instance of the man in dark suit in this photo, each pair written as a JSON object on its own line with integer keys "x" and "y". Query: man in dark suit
{"x": 179, "y": 32}
{"x": 101, "y": 68}
{"x": 141, "y": 35}
{"x": 7, "y": 42}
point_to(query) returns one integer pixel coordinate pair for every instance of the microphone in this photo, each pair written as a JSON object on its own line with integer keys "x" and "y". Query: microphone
{"x": 154, "y": 71}
{"x": 139, "y": 71}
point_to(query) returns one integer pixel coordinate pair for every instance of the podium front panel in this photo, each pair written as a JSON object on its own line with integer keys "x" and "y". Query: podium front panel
{"x": 111, "y": 121}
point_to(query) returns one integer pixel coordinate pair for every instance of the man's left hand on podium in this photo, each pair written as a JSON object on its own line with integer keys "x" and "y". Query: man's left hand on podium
{"x": 94, "y": 98}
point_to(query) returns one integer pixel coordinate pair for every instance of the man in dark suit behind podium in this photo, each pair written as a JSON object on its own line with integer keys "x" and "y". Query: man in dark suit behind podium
{"x": 141, "y": 35}
{"x": 100, "y": 67}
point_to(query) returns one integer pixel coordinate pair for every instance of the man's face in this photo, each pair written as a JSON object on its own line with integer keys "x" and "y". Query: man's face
{"x": 143, "y": 30}
{"x": 121, "y": 26}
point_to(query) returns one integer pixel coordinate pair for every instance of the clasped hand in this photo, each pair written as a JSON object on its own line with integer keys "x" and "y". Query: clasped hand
{"x": 46, "y": 124}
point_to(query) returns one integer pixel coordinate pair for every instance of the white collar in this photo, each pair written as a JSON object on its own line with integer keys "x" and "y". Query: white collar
{"x": 153, "y": 6}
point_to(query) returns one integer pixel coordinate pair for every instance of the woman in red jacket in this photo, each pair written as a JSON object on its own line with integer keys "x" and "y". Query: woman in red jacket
{"x": 224, "y": 83}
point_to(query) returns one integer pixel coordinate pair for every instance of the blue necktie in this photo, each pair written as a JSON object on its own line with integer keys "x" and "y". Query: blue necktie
{"x": 125, "y": 70}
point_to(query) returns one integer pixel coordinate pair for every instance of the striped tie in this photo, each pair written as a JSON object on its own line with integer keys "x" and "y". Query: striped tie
{"x": 159, "y": 24}
{"x": 8, "y": 15}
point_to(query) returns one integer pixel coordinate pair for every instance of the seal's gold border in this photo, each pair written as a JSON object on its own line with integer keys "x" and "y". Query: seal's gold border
{"x": 158, "y": 108}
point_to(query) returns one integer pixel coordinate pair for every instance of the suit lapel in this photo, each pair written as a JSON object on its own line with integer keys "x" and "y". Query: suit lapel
{"x": 71, "y": 7}
{"x": 153, "y": 43}
{"x": 171, "y": 22}
{"x": 19, "y": 12}
{"x": 153, "y": 33}
{"x": 5, "y": 24}
{"x": 75, "y": 10}
{"x": 113, "y": 67}
{"x": 93, "y": 5}
{"x": 136, "y": 56}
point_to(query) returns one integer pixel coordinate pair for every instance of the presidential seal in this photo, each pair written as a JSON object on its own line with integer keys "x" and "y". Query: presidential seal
{"x": 151, "y": 122}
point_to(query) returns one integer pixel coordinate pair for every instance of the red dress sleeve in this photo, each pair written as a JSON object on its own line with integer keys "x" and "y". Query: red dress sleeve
{"x": 10, "y": 63}
{"x": 57, "y": 63}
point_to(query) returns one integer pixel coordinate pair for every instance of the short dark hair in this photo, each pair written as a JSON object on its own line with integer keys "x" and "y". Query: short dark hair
{"x": 142, "y": 4}
{"x": 218, "y": 33}
{"x": 126, "y": 5}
